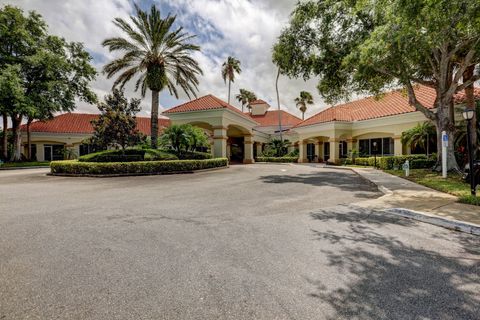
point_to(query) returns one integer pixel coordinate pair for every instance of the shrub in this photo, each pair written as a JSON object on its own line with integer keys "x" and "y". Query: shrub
{"x": 157, "y": 155}
{"x": 417, "y": 161}
{"x": 277, "y": 159}
{"x": 127, "y": 155}
{"x": 74, "y": 167}
{"x": 192, "y": 155}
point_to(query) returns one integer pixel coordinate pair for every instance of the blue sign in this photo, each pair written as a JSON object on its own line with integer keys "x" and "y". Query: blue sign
{"x": 445, "y": 138}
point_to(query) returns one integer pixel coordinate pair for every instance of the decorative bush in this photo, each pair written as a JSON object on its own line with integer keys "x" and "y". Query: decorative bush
{"x": 128, "y": 155}
{"x": 417, "y": 161}
{"x": 74, "y": 167}
{"x": 277, "y": 159}
{"x": 191, "y": 155}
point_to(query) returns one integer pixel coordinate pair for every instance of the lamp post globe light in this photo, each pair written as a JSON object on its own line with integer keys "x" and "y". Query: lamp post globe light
{"x": 468, "y": 115}
{"x": 375, "y": 153}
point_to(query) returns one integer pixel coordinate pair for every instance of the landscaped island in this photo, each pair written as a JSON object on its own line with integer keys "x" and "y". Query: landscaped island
{"x": 136, "y": 162}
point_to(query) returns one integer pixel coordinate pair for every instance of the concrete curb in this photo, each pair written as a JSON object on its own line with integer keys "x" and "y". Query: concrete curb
{"x": 23, "y": 168}
{"x": 436, "y": 220}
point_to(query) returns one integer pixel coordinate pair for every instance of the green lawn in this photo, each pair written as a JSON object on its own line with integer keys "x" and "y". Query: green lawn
{"x": 453, "y": 184}
{"x": 25, "y": 164}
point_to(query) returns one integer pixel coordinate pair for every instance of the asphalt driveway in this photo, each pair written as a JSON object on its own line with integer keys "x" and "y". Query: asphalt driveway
{"x": 249, "y": 242}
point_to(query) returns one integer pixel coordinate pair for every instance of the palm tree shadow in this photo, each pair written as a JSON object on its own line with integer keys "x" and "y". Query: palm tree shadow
{"x": 393, "y": 279}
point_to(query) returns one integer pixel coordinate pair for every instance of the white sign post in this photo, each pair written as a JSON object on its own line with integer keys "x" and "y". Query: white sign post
{"x": 444, "y": 153}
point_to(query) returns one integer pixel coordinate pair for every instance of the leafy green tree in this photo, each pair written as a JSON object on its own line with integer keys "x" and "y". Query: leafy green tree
{"x": 157, "y": 55}
{"x": 302, "y": 101}
{"x": 196, "y": 138}
{"x": 420, "y": 136}
{"x": 277, "y": 148}
{"x": 175, "y": 137}
{"x": 183, "y": 137}
{"x": 11, "y": 98}
{"x": 52, "y": 72}
{"x": 117, "y": 126}
{"x": 229, "y": 68}
{"x": 245, "y": 97}
{"x": 369, "y": 46}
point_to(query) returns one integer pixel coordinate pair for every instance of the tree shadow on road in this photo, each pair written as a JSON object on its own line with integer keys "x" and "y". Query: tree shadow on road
{"x": 394, "y": 279}
{"x": 343, "y": 181}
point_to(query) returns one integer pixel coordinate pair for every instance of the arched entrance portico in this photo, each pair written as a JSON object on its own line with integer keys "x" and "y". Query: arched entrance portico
{"x": 231, "y": 130}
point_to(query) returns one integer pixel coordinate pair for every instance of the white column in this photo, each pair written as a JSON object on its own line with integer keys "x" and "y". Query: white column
{"x": 334, "y": 150}
{"x": 258, "y": 145}
{"x": 40, "y": 152}
{"x": 302, "y": 152}
{"x": 397, "y": 146}
{"x": 248, "y": 149}
{"x": 351, "y": 145}
{"x": 220, "y": 142}
{"x": 317, "y": 151}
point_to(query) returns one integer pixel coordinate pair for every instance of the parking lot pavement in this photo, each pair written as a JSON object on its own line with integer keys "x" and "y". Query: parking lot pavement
{"x": 248, "y": 242}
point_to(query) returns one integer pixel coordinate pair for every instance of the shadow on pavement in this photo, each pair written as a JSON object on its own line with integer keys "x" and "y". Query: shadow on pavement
{"x": 344, "y": 181}
{"x": 392, "y": 279}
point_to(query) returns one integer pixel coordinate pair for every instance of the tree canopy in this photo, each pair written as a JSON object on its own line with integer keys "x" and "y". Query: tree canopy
{"x": 41, "y": 73}
{"x": 370, "y": 46}
{"x": 117, "y": 126}
{"x": 157, "y": 55}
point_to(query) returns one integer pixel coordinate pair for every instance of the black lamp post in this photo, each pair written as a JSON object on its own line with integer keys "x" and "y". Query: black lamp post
{"x": 468, "y": 115}
{"x": 375, "y": 152}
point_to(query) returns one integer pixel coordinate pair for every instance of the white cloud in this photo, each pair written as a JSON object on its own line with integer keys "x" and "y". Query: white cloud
{"x": 244, "y": 29}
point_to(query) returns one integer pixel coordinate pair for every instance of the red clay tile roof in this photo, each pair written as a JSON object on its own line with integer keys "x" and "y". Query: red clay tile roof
{"x": 270, "y": 118}
{"x": 258, "y": 101}
{"x": 392, "y": 103}
{"x": 208, "y": 102}
{"x": 81, "y": 123}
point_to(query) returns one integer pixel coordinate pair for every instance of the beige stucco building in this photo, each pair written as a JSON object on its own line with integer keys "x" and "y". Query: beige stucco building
{"x": 369, "y": 125}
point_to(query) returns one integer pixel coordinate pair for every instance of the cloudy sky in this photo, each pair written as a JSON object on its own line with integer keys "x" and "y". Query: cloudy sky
{"x": 246, "y": 29}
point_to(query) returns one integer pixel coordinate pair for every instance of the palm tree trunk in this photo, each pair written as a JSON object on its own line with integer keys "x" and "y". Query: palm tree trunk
{"x": 5, "y": 136}
{"x": 229, "y": 83}
{"x": 469, "y": 94}
{"x": 278, "y": 104}
{"x": 303, "y": 115}
{"x": 154, "y": 119}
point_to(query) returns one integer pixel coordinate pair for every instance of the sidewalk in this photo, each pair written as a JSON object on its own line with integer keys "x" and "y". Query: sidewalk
{"x": 401, "y": 193}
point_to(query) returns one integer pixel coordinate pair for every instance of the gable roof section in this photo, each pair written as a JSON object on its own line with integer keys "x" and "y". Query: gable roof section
{"x": 258, "y": 101}
{"x": 208, "y": 102}
{"x": 391, "y": 103}
{"x": 81, "y": 123}
{"x": 270, "y": 118}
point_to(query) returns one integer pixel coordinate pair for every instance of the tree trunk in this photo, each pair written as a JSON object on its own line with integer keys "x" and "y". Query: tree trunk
{"x": 154, "y": 119}
{"x": 17, "y": 138}
{"x": 229, "y": 83}
{"x": 29, "y": 142}
{"x": 278, "y": 104}
{"x": 444, "y": 123}
{"x": 470, "y": 101}
{"x": 303, "y": 115}
{"x": 5, "y": 136}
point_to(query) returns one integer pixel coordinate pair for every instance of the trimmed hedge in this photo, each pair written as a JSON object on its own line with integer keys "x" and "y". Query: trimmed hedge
{"x": 417, "y": 161}
{"x": 74, "y": 167}
{"x": 128, "y": 155}
{"x": 277, "y": 159}
{"x": 192, "y": 155}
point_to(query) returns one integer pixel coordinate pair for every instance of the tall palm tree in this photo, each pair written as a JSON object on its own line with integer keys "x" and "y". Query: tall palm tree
{"x": 229, "y": 68}
{"x": 302, "y": 101}
{"x": 245, "y": 97}
{"x": 158, "y": 56}
{"x": 421, "y": 135}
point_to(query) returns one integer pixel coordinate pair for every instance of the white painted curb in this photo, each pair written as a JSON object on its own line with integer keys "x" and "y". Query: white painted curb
{"x": 436, "y": 220}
